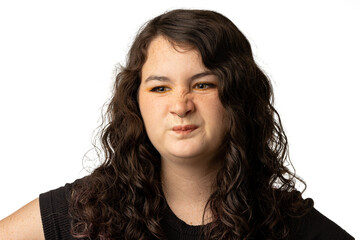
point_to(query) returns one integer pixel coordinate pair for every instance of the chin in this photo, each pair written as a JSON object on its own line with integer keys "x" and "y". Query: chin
{"x": 186, "y": 152}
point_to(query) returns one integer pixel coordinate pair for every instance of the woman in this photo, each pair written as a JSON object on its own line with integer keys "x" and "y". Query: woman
{"x": 194, "y": 149}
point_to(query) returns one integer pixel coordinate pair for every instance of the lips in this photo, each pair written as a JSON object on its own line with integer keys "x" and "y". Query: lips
{"x": 184, "y": 129}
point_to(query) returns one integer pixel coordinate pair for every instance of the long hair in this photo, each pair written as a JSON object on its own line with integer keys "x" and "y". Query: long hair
{"x": 255, "y": 193}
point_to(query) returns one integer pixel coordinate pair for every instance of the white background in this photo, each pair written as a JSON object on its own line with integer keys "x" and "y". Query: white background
{"x": 57, "y": 60}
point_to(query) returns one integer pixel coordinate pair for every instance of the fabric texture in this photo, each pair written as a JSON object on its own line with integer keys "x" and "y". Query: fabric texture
{"x": 56, "y": 222}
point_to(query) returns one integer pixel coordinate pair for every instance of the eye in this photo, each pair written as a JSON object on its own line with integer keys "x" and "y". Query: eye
{"x": 203, "y": 86}
{"x": 160, "y": 89}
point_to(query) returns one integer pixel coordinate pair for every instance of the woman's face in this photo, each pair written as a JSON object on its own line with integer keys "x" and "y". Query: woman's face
{"x": 179, "y": 103}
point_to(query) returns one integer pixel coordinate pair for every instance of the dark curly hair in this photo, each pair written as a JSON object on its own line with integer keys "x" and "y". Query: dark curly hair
{"x": 255, "y": 193}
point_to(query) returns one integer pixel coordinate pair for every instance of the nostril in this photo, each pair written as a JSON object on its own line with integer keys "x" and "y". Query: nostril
{"x": 181, "y": 106}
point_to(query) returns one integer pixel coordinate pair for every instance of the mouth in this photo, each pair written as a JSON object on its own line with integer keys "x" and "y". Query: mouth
{"x": 185, "y": 129}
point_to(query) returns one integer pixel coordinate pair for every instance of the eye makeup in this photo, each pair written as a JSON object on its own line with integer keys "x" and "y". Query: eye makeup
{"x": 159, "y": 89}
{"x": 204, "y": 86}
{"x": 200, "y": 86}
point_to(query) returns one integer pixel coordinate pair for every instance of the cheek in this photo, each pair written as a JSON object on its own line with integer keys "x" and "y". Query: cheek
{"x": 220, "y": 120}
{"x": 214, "y": 108}
{"x": 151, "y": 110}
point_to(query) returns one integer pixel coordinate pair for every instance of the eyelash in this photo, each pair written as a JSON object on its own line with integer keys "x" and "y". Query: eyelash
{"x": 157, "y": 89}
{"x": 196, "y": 86}
{"x": 209, "y": 85}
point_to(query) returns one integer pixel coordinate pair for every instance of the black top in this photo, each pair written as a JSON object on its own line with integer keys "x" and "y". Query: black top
{"x": 56, "y": 222}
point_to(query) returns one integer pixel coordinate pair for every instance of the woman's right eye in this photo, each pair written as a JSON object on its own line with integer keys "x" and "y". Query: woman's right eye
{"x": 160, "y": 89}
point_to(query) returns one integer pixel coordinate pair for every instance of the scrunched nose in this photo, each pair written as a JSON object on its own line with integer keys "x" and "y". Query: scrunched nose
{"x": 182, "y": 106}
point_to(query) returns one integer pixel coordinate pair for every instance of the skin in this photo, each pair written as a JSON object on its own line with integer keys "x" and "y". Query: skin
{"x": 177, "y": 90}
{"x": 171, "y": 94}
{"x": 24, "y": 224}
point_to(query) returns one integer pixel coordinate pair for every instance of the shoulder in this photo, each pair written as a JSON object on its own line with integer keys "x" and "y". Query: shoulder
{"x": 315, "y": 225}
{"x": 46, "y": 217}
{"x": 54, "y": 209}
{"x": 25, "y": 223}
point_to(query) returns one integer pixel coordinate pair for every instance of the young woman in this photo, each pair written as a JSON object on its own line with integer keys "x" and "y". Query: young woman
{"x": 194, "y": 149}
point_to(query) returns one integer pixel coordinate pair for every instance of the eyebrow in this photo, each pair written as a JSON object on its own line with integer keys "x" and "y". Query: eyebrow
{"x": 166, "y": 79}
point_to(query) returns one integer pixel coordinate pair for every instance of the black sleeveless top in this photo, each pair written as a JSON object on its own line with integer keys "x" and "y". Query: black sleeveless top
{"x": 56, "y": 222}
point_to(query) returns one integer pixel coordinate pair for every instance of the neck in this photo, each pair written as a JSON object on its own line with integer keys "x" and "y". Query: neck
{"x": 188, "y": 188}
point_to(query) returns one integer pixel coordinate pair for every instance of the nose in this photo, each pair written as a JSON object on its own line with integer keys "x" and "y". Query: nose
{"x": 182, "y": 105}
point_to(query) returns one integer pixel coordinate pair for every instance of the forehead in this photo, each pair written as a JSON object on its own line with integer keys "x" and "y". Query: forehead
{"x": 163, "y": 43}
{"x": 164, "y": 54}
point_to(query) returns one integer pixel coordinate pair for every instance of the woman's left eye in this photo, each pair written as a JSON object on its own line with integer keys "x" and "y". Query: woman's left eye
{"x": 203, "y": 86}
